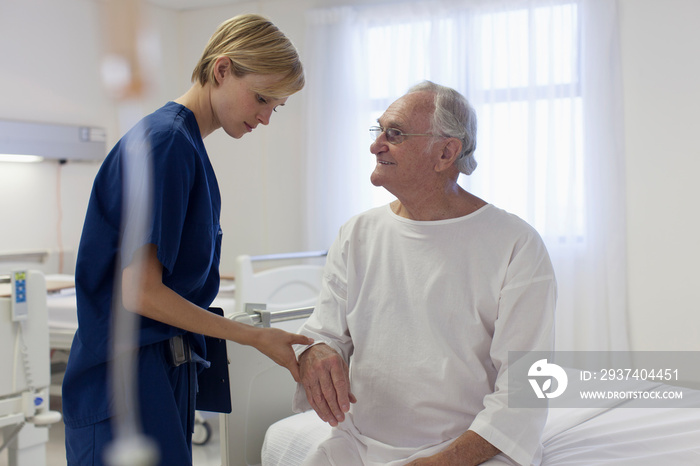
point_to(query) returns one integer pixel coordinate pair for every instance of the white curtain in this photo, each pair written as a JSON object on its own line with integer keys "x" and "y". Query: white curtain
{"x": 544, "y": 77}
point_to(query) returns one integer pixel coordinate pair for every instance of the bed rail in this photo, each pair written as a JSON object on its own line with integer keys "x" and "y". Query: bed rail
{"x": 261, "y": 317}
{"x": 289, "y": 255}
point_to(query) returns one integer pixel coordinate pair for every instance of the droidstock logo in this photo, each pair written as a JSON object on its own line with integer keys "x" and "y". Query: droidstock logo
{"x": 543, "y": 369}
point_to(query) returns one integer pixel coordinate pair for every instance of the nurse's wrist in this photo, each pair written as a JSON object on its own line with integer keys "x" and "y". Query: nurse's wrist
{"x": 247, "y": 335}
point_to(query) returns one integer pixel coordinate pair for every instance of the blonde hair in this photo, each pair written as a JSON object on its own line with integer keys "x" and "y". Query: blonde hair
{"x": 254, "y": 45}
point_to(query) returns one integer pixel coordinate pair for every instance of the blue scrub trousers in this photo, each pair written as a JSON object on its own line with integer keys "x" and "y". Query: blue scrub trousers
{"x": 167, "y": 404}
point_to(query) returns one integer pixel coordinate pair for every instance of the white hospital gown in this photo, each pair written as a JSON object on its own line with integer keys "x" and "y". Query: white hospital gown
{"x": 425, "y": 313}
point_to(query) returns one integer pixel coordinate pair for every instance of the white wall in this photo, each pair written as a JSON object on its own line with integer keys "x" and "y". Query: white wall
{"x": 49, "y": 72}
{"x": 49, "y": 60}
{"x": 260, "y": 175}
{"x": 661, "y": 67}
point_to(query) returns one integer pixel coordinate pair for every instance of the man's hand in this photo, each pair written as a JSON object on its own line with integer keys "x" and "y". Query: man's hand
{"x": 325, "y": 377}
{"x": 429, "y": 461}
{"x": 468, "y": 449}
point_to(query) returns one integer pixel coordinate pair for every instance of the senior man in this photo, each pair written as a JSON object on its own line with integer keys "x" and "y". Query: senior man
{"x": 422, "y": 300}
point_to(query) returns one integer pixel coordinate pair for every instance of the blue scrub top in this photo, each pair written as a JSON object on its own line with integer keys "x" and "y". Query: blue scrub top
{"x": 185, "y": 211}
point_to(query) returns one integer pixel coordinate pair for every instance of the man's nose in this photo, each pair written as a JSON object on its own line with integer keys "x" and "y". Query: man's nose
{"x": 379, "y": 144}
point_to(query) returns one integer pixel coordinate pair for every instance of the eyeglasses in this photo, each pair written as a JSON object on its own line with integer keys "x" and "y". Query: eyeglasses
{"x": 393, "y": 135}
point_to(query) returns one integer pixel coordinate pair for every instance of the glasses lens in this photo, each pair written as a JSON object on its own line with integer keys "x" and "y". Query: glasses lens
{"x": 394, "y": 136}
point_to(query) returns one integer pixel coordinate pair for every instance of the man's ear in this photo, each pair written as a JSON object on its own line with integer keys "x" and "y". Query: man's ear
{"x": 451, "y": 148}
{"x": 222, "y": 65}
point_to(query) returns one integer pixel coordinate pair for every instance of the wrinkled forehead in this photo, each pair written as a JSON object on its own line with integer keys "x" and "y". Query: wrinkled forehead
{"x": 412, "y": 111}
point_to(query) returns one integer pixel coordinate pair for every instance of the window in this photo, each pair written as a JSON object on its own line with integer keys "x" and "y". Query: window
{"x": 520, "y": 69}
{"x": 545, "y": 79}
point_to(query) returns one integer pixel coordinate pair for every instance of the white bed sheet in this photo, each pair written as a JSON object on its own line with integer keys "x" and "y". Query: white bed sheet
{"x": 63, "y": 318}
{"x": 615, "y": 435}
{"x": 626, "y": 436}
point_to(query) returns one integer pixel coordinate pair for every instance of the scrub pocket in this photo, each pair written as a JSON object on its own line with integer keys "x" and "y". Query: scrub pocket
{"x": 85, "y": 445}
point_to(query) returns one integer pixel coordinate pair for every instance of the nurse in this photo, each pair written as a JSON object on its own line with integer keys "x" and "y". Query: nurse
{"x": 169, "y": 275}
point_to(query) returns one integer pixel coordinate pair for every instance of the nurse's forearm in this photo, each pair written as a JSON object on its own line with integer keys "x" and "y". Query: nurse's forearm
{"x": 144, "y": 293}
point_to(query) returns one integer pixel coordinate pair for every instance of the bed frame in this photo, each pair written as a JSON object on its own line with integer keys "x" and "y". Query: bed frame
{"x": 262, "y": 391}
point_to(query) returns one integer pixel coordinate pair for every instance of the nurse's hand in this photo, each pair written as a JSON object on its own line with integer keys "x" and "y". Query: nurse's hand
{"x": 276, "y": 344}
{"x": 325, "y": 377}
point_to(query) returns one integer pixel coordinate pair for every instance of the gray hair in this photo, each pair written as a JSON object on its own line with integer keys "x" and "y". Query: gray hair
{"x": 453, "y": 117}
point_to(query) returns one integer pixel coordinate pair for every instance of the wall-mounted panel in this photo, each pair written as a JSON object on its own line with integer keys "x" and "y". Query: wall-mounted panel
{"x": 52, "y": 141}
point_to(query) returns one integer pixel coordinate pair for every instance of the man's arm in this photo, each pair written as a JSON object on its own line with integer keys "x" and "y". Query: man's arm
{"x": 469, "y": 449}
{"x": 525, "y": 322}
{"x": 326, "y": 380}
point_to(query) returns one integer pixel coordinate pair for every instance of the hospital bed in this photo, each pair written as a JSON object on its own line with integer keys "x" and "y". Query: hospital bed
{"x": 280, "y": 286}
{"x": 24, "y": 385}
{"x": 266, "y": 283}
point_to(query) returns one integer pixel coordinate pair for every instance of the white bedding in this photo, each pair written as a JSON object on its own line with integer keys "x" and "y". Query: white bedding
{"x": 614, "y": 435}
{"x": 624, "y": 436}
{"x": 63, "y": 319}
